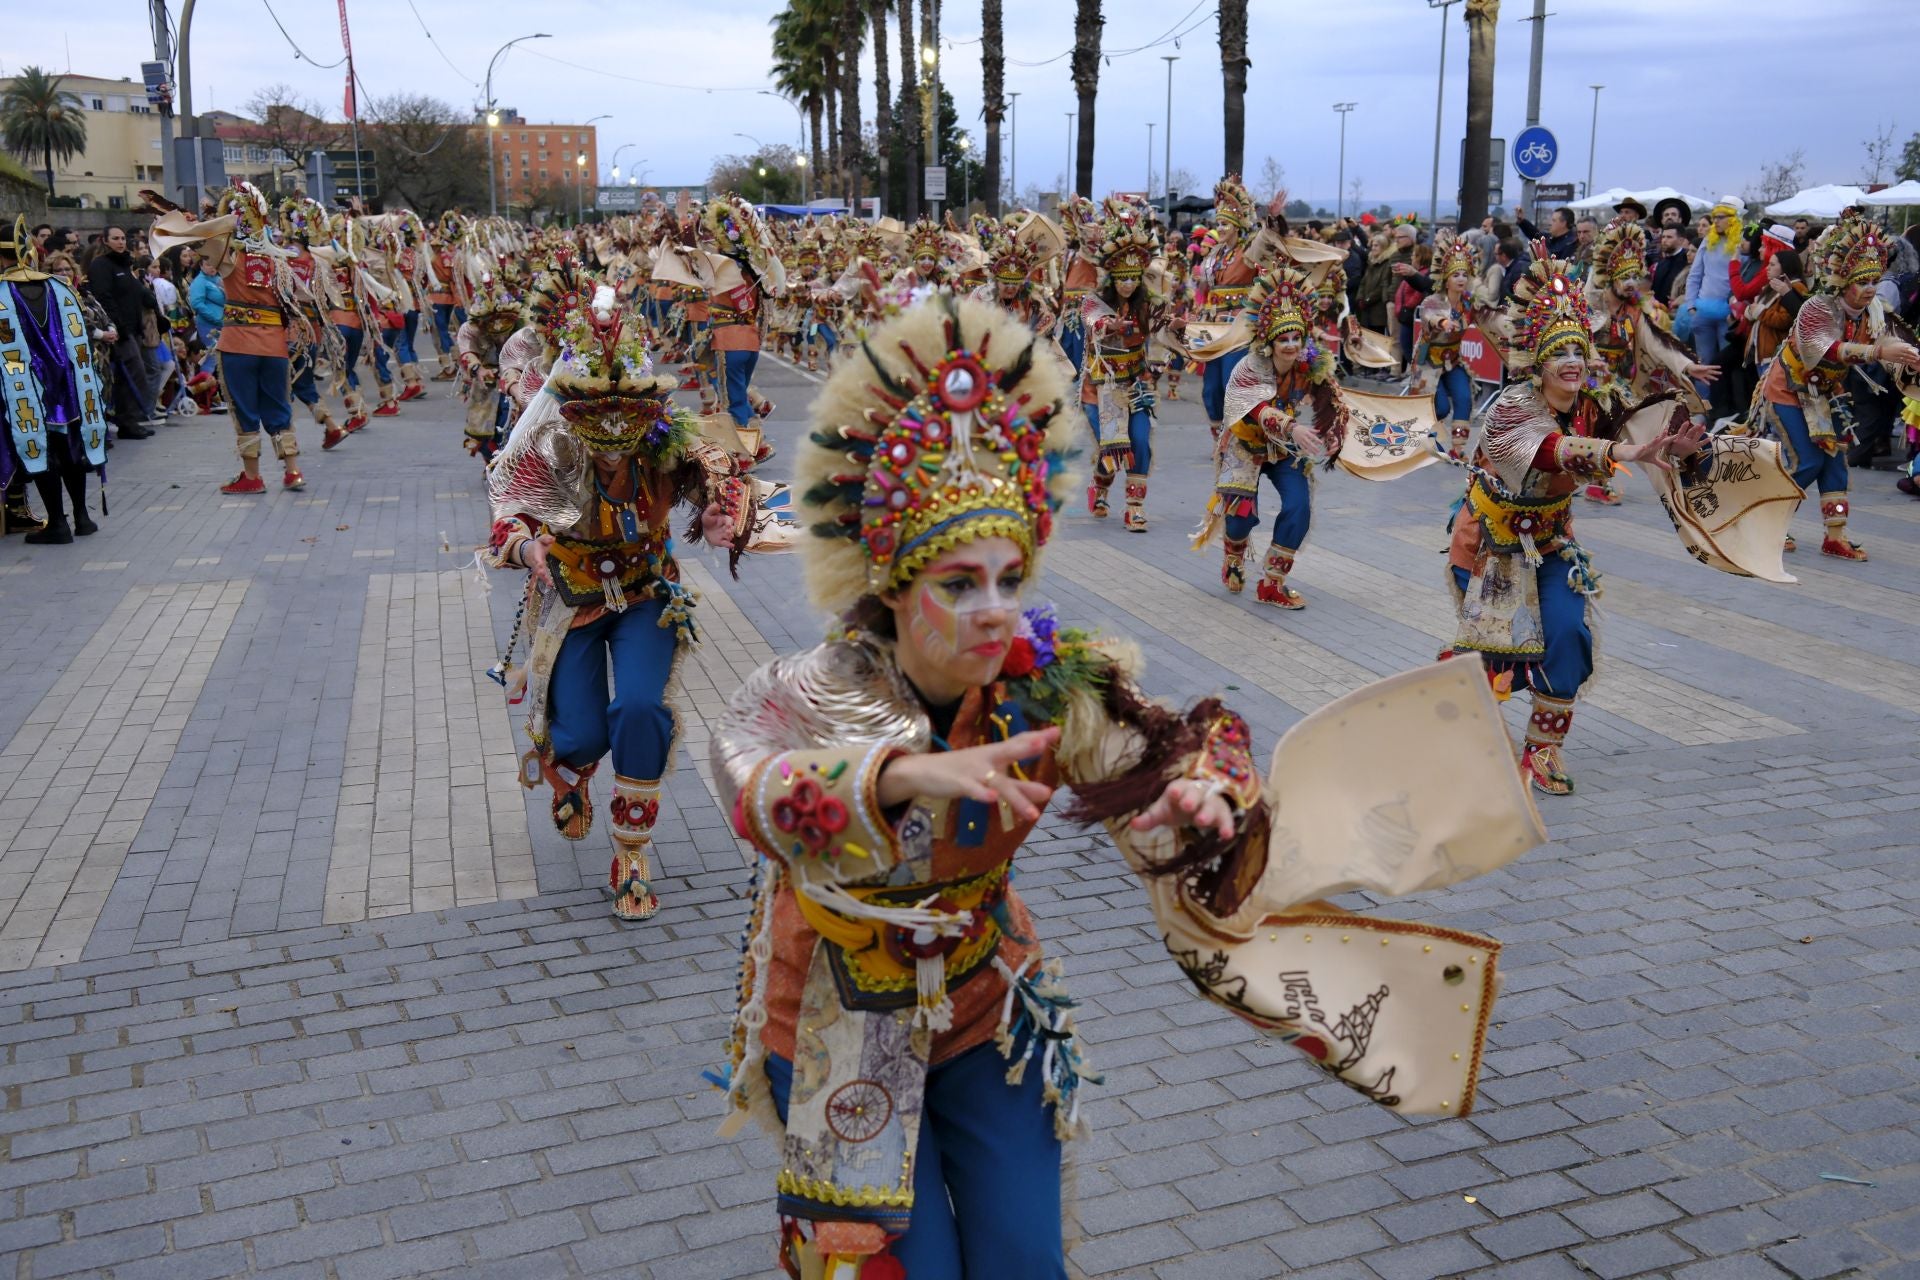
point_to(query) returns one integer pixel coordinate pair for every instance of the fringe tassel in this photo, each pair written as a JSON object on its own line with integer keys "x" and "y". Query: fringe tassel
{"x": 1036, "y": 1011}
{"x": 933, "y": 1007}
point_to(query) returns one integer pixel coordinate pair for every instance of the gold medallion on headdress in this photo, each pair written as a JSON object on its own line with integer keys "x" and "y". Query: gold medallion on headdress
{"x": 1552, "y": 315}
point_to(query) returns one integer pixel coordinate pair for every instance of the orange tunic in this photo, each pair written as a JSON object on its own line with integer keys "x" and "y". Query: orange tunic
{"x": 254, "y": 323}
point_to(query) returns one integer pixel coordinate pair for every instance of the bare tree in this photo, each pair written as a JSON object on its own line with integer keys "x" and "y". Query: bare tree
{"x": 1779, "y": 179}
{"x": 428, "y": 156}
{"x": 1879, "y": 147}
{"x": 1273, "y": 178}
{"x": 1909, "y": 167}
{"x": 1356, "y": 192}
{"x": 289, "y": 123}
{"x": 1087, "y": 25}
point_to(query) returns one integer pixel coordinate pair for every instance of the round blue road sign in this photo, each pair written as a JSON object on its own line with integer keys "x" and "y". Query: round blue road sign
{"x": 1534, "y": 152}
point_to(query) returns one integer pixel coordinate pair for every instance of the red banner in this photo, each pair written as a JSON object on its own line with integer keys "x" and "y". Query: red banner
{"x": 346, "y": 42}
{"x": 1477, "y": 352}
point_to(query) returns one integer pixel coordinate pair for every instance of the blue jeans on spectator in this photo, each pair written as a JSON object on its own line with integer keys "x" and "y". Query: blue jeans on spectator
{"x": 1708, "y": 337}
{"x": 986, "y": 1173}
{"x": 256, "y": 388}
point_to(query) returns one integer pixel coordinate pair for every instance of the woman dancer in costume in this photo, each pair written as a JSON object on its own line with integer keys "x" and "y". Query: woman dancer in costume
{"x": 582, "y": 499}
{"x": 1808, "y": 407}
{"x": 302, "y": 221}
{"x": 492, "y": 315}
{"x": 1013, "y": 262}
{"x": 1633, "y": 335}
{"x": 1115, "y": 392}
{"x": 1445, "y": 315}
{"x": 1521, "y": 582}
{"x": 1284, "y": 413}
{"x": 897, "y": 1025}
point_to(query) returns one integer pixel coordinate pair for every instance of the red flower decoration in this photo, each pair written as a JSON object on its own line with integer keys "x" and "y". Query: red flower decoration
{"x": 1020, "y": 658}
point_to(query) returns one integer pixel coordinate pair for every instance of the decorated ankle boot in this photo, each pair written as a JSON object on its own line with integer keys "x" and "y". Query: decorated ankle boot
{"x": 389, "y": 402}
{"x": 1833, "y": 513}
{"x": 331, "y": 432}
{"x": 630, "y": 819}
{"x": 1233, "y": 569}
{"x": 356, "y": 412}
{"x": 1460, "y": 433}
{"x": 1173, "y": 385}
{"x": 1273, "y": 588}
{"x": 415, "y": 386}
{"x": 1097, "y": 496}
{"x": 1602, "y": 492}
{"x": 19, "y": 516}
{"x": 1134, "y": 518}
{"x": 287, "y": 449}
{"x": 1540, "y": 761}
{"x": 572, "y": 805}
{"x": 248, "y": 481}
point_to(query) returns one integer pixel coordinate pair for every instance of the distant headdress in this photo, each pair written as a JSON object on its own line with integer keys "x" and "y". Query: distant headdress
{"x": 1280, "y": 300}
{"x": 925, "y": 239}
{"x": 947, "y": 431}
{"x": 1127, "y": 240}
{"x": 602, "y": 378}
{"x": 1852, "y": 251}
{"x": 1233, "y": 204}
{"x": 1619, "y": 252}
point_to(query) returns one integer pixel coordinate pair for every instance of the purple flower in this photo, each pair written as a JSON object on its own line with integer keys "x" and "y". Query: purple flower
{"x": 1038, "y": 625}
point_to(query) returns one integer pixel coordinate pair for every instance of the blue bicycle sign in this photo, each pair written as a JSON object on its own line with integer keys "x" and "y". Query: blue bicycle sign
{"x": 1534, "y": 152}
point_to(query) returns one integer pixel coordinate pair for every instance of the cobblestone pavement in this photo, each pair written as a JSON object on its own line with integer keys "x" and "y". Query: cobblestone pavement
{"x": 296, "y": 982}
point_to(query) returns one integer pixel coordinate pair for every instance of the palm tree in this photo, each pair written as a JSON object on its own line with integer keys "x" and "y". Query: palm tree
{"x": 799, "y": 75}
{"x": 850, "y": 34}
{"x": 910, "y": 110}
{"x": 39, "y": 118}
{"x": 1233, "y": 73}
{"x": 1482, "y": 16}
{"x": 882, "y": 91}
{"x": 993, "y": 70}
{"x": 1087, "y": 24}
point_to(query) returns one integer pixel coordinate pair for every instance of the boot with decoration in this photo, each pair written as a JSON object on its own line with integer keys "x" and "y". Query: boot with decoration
{"x": 1540, "y": 762}
{"x": 1834, "y": 508}
{"x": 1134, "y": 518}
{"x": 1273, "y": 588}
{"x": 630, "y": 818}
{"x": 1233, "y": 568}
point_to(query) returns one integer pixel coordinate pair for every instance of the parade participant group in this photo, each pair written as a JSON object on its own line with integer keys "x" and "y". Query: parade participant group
{"x": 899, "y": 1027}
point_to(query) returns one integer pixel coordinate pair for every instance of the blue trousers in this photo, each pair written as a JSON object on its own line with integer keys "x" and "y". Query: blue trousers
{"x": 1453, "y": 397}
{"x": 1139, "y": 437}
{"x": 738, "y": 366}
{"x": 354, "y": 337}
{"x": 305, "y": 390}
{"x": 1568, "y": 662}
{"x": 1811, "y": 466}
{"x": 1074, "y": 343}
{"x": 403, "y": 338}
{"x": 1213, "y": 383}
{"x": 256, "y": 392}
{"x": 986, "y": 1174}
{"x": 445, "y": 317}
{"x": 585, "y": 722}
{"x": 1291, "y": 480}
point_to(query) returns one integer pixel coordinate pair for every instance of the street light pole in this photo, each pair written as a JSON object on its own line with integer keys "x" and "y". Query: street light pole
{"x": 1340, "y": 195}
{"x": 493, "y": 120}
{"x": 806, "y": 189}
{"x": 1539, "y": 21}
{"x": 579, "y": 205}
{"x": 1013, "y": 151}
{"x": 580, "y": 190}
{"x": 1439, "y": 105}
{"x": 625, "y": 146}
{"x": 930, "y": 56}
{"x": 1166, "y": 165}
{"x": 1149, "y": 162}
{"x": 1593, "y": 135}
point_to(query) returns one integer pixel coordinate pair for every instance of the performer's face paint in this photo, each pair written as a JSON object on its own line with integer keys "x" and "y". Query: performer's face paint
{"x": 1009, "y": 290}
{"x": 1858, "y": 295}
{"x": 1285, "y": 350}
{"x": 1125, "y": 285}
{"x": 1566, "y": 369}
{"x": 955, "y": 620}
{"x": 1629, "y": 288}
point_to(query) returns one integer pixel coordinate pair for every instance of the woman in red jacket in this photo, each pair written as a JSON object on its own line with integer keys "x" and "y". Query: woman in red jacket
{"x": 1748, "y": 275}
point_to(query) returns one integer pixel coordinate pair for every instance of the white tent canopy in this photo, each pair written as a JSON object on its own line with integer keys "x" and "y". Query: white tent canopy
{"x": 1904, "y": 193}
{"x": 1614, "y": 195}
{"x": 1818, "y": 202}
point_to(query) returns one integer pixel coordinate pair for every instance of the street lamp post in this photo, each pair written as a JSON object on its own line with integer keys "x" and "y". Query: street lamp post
{"x": 1149, "y": 162}
{"x": 1593, "y": 135}
{"x": 616, "y": 159}
{"x": 1166, "y": 163}
{"x": 1439, "y": 104}
{"x": 580, "y": 189}
{"x": 1013, "y": 150}
{"x": 582, "y": 175}
{"x": 493, "y": 119}
{"x": 930, "y": 58}
{"x": 1339, "y": 196}
{"x": 966, "y": 174}
{"x": 806, "y": 191}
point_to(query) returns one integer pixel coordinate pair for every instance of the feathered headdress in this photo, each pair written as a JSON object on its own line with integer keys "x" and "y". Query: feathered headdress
{"x": 493, "y": 307}
{"x": 304, "y": 218}
{"x": 1279, "y": 300}
{"x": 1127, "y": 240}
{"x": 608, "y": 396}
{"x": 556, "y": 295}
{"x": 1233, "y": 203}
{"x": 1549, "y": 313}
{"x": 252, "y": 211}
{"x": 1078, "y": 219}
{"x": 950, "y": 436}
{"x": 1619, "y": 252}
{"x": 1456, "y": 258}
{"x": 451, "y": 226}
{"x": 1852, "y": 251}
{"x": 1009, "y": 259}
{"x": 740, "y": 232}
{"x": 925, "y": 239}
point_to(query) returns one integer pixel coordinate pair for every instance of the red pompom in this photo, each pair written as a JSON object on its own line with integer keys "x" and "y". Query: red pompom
{"x": 1020, "y": 658}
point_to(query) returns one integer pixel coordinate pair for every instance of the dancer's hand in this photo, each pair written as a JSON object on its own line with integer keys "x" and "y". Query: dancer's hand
{"x": 1187, "y": 802}
{"x": 716, "y": 525}
{"x": 983, "y": 773}
{"x": 1704, "y": 372}
{"x": 533, "y": 554}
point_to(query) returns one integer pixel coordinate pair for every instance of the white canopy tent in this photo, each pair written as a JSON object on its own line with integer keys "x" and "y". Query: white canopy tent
{"x": 1904, "y": 193}
{"x": 1824, "y": 202}
{"x": 1614, "y": 195}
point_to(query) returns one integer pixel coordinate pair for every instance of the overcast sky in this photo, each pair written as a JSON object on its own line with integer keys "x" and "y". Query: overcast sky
{"x": 1698, "y": 95}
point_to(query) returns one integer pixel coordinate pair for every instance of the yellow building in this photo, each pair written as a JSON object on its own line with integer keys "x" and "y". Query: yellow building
{"x": 123, "y": 144}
